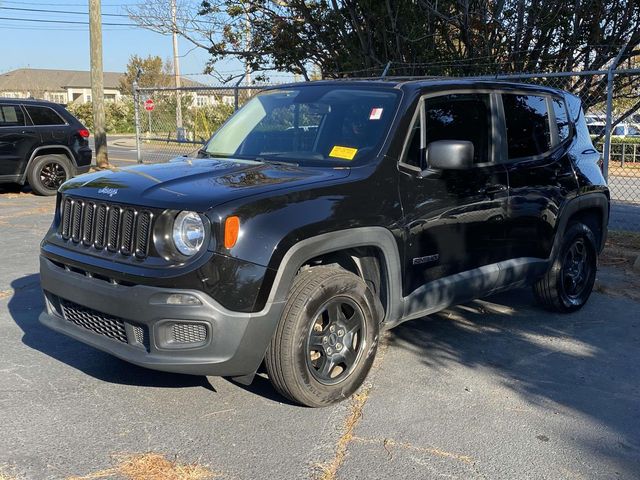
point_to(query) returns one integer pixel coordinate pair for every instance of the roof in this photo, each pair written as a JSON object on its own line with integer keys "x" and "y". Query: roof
{"x": 53, "y": 80}
{"x": 50, "y": 80}
{"x": 27, "y": 101}
{"x": 413, "y": 83}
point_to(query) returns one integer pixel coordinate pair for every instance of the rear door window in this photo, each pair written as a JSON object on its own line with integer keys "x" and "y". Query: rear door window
{"x": 461, "y": 116}
{"x": 527, "y": 124}
{"x": 44, "y": 116}
{"x": 11, "y": 116}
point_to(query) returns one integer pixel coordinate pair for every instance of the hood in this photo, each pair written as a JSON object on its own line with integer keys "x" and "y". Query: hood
{"x": 193, "y": 184}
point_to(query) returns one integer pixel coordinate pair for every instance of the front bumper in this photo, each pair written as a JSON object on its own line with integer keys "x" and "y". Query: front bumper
{"x": 131, "y": 323}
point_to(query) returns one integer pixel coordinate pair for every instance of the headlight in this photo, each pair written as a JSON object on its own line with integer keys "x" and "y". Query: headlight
{"x": 188, "y": 233}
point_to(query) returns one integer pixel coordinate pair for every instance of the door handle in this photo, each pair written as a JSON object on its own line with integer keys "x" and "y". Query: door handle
{"x": 494, "y": 188}
{"x": 31, "y": 132}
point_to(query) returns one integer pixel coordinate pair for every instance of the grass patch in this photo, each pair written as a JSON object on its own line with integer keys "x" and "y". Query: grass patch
{"x": 622, "y": 239}
{"x": 150, "y": 466}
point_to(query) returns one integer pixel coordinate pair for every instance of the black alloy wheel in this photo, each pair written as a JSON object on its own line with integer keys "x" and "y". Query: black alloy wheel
{"x": 576, "y": 268}
{"x": 52, "y": 175}
{"x": 48, "y": 172}
{"x": 327, "y": 337}
{"x": 568, "y": 283}
{"x": 335, "y": 341}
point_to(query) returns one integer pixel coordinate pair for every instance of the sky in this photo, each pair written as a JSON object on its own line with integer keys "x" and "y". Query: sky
{"x": 27, "y": 41}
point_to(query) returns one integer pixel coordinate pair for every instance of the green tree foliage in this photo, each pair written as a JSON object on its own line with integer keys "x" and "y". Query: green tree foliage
{"x": 155, "y": 73}
{"x": 419, "y": 37}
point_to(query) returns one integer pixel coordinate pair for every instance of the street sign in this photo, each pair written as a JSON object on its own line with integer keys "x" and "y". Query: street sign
{"x": 149, "y": 105}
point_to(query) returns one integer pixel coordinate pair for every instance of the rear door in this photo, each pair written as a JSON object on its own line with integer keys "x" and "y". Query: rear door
{"x": 538, "y": 134}
{"x": 48, "y": 123}
{"x": 454, "y": 219}
{"x": 17, "y": 140}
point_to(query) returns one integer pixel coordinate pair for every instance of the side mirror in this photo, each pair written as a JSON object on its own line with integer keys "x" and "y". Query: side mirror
{"x": 450, "y": 155}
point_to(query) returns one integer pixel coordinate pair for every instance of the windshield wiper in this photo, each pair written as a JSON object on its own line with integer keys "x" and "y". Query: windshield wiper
{"x": 271, "y": 161}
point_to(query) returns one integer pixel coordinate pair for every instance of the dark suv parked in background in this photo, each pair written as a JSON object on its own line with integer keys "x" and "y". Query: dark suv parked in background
{"x": 321, "y": 213}
{"x": 41, "y": 143}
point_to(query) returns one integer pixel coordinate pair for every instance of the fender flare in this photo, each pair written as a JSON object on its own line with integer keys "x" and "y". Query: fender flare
{"x": 597, "y": 200}
{"x": 34, "y": 155}
{"x": 377, "y": 237}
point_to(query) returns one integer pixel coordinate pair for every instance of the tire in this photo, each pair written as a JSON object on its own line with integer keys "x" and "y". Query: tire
{"x": 48, "y": 172}
{"x": 330, "y": 317}
{"x": 567, "y": 285}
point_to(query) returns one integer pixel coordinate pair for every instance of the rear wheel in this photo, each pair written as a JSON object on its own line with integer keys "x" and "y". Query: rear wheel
{"x": 48, "y": 172}
{"x": 327, "y": 338}
{"x": 567, "y": 285}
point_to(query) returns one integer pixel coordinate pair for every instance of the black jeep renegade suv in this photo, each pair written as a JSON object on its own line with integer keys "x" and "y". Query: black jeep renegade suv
{"x": 41, "y": 143}
{"x": 320, "y": 214}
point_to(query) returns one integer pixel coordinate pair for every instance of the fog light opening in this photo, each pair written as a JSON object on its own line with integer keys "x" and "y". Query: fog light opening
{"x": 182, "y": 299}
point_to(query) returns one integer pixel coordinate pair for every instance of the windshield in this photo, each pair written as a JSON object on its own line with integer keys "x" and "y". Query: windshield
{"x": 309, "y": 125}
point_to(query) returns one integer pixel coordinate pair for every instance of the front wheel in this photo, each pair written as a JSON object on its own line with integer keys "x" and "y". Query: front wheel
{"x": 567, "y": 285}
{"x": 327, "y": 338}
{"x": 48, "y": 172}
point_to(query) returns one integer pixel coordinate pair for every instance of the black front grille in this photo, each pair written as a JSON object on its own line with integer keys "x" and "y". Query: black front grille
{"x": 103, "y": 324}
{"x": 97, "y": 322}
{"x": 104, "y": 225}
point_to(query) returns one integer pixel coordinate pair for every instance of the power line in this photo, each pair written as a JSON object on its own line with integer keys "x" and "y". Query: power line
{"x": 54, "y": 28}
{"x": 56, "y": 4}
{"x": 69, "y": 22}
{"x": 39, "y": 10}
{"x": 58, "y": 11}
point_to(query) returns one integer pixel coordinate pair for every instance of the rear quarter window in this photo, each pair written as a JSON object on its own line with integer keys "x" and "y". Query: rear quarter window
{"x": 44, "y": 115}
{"x": 562, "y": 118}
{"x": 527, "y": 124}
{"x": 11, "y": 116}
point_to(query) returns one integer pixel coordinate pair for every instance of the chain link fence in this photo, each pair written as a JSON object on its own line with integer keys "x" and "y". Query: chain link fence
{"x": 174, "y": 122}
{"x": 177, "y": 121}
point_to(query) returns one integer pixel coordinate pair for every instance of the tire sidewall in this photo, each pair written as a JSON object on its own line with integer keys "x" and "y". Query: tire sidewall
{"x": 341, "y": 286}
{"x": 575, "y": 231}
{"x": 36, "y": 168}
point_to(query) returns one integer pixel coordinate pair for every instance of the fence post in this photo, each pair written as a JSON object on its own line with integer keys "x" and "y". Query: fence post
{"x": 607, "y": 129}
{"x": 236, "y": 95}
{"x": 136, "y": 111}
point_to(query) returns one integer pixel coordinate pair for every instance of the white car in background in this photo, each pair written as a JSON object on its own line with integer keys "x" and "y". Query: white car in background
{"x": 621, "y": 130}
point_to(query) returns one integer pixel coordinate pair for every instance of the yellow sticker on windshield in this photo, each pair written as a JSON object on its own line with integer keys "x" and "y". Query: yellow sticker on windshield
{"x": 345, "y": 153}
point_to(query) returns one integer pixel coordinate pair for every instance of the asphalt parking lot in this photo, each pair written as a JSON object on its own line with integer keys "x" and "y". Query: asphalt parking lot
{"x": 495, "y": 389}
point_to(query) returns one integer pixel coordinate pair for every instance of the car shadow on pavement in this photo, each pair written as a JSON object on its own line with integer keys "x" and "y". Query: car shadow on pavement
{"x": 25, "y": 306}
{"x": 583, "y": 363}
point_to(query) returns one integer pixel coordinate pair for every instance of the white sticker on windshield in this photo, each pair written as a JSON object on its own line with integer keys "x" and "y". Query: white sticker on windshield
{"x": 376, "y": 114}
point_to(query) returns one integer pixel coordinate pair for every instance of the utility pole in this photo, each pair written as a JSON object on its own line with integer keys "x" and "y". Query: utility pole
{"x": 247, "y": 45}
{"x": 176, "y": 71}
{"x": 97, "y": 84}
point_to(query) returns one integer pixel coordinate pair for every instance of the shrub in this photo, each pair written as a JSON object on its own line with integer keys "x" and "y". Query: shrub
{"x": 118, "y": 115}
